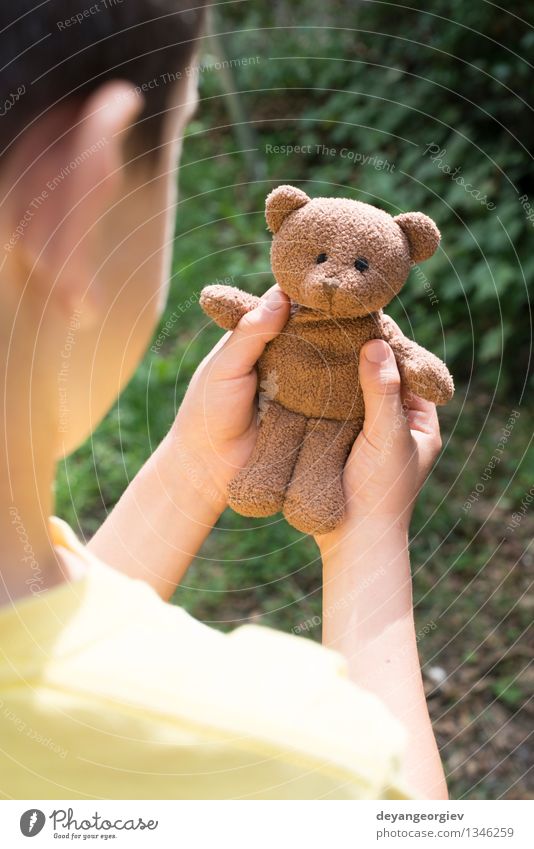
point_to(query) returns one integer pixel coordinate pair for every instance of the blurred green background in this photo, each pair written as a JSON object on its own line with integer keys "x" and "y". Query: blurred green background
{"x": 395, "y": 104}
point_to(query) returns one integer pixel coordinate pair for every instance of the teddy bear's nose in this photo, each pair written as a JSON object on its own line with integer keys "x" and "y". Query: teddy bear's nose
{"x": 329, "y": 286}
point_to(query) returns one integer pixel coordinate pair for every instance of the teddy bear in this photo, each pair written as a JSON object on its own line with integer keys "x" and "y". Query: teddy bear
{"x": 340, "y": 261}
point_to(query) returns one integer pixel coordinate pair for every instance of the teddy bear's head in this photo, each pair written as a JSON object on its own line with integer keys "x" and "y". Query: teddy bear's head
{"x": 343, "y": 257}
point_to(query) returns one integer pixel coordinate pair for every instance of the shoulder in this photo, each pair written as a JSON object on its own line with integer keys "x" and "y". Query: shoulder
{"x": 275, "y": 694}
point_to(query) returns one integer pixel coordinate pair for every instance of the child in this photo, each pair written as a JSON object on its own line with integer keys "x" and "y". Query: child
{"x": 106, "y": 691}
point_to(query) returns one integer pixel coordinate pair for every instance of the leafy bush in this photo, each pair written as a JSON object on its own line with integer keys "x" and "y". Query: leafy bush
{"x": 437, "y": 96}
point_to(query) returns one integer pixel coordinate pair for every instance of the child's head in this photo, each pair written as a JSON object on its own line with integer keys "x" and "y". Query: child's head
{"x": 340, "y": 256}
{"x": 93, "y": 103}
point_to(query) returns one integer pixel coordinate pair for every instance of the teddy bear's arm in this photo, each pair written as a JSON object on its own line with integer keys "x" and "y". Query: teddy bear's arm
{"x": 422, "y": 373}
{"x": 226, "y": 305}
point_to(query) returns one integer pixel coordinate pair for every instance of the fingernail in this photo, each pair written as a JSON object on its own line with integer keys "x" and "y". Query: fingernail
{"x": 274, "y": 301}
{"x": 376, "y": 351}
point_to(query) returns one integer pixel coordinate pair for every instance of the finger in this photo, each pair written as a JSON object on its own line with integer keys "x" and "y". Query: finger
{"x": 424, "y": 426}
{"x": 244, "y": 346}
{"x": 427, "y": 416}
{"x": 381, "y": 386}
{"x": 424, "y": 418}
{"x": 414, "y": 402}
{"x": 224, "y": 339}
{"x": 420, "y": 421}
{"x": 428, "y": 448}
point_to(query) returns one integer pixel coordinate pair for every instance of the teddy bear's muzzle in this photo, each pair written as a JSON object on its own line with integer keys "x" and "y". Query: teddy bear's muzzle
{"x": 329, "y": 289}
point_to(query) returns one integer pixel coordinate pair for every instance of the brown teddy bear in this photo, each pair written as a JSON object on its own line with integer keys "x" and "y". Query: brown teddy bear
{"x": 339, "y": 261}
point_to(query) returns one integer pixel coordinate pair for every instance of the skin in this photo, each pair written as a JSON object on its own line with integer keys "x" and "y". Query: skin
{"x": 95, "y": 256}
{"x": 366, "y": 560}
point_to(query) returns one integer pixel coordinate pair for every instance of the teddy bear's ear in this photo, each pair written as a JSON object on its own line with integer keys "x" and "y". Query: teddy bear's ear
{"x": 280, "y": 202}
{"x": 422, "y": 234}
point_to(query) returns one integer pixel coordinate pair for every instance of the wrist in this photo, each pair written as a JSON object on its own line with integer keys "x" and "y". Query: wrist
{"x": 370, "y": 567}
{"x": 367, "y": 584}
{"x": 161, "y": 521}
{"x": 362, "y": 536}
{"x": 180, "y": 463}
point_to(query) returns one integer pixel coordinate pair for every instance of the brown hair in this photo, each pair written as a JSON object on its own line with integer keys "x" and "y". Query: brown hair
{"x": 65, "y": 49}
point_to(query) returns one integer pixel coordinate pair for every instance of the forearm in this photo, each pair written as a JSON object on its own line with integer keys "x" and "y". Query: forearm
{"x": 162, "y": 519}
{"x": 368, "y": 618}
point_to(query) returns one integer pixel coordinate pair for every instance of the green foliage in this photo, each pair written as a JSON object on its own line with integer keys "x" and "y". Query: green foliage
{"x": 384, "y": 82}
{"x": 508, "y": 692}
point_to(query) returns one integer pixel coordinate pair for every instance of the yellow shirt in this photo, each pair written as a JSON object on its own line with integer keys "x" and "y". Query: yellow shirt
{"x": 108, "y": 692}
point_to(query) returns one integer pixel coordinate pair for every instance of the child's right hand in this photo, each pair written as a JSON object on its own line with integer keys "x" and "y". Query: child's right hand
{"x": 215, "y": 429}
{"x": 394, "y": 452}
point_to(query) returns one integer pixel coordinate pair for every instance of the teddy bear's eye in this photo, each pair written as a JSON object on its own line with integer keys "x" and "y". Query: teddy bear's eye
{"x": 321, "y": 258}
{"x": 361, "y": 264}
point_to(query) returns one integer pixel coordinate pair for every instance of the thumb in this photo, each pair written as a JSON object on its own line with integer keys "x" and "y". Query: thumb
{"x": 381, "y": 386}
{"x": 246, "y": 343}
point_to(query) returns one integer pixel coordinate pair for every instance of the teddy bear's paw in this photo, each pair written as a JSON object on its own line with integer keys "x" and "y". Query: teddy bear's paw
{"x": 250, "y": 493}
{"x": 444, "y": 388}
{"x": 226, "y": 305}
{"x": 433, "y": 385}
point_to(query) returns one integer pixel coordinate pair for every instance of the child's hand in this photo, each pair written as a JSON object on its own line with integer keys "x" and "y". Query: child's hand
{"x": 394, "y": 452}
{"x": 367, "y": 586}
{"x": 215, "y": 430}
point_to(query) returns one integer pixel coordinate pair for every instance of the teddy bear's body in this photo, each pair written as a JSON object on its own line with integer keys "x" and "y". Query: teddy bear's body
{"x": 313, "y": 364}
{"x": 340, "y": 262}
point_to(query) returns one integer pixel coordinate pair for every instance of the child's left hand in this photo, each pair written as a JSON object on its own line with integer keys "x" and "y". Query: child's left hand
{"x": 215, "y": 429}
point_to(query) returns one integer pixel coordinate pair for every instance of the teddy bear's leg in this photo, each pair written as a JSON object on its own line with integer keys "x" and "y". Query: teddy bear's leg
{"x": 259, "y": 489}
{"x": 315, "y": 502}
